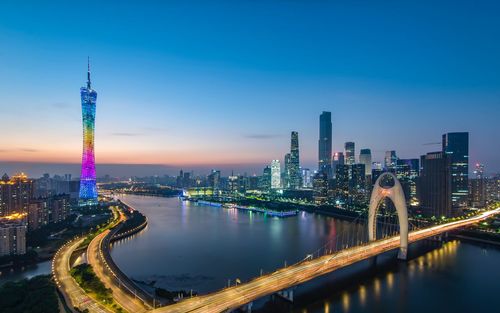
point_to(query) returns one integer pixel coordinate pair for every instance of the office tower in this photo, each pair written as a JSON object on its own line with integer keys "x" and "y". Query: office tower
{"x": 390, "y": 161}
{"x": 252, "y": 182}
{"x": 306, "y": 178}
{"x": 12, "y": 238}
{"x": 456, "y": 151}
{"x": 365, "y": 157}
{"x": 265, "y": 183}
{"x": 407, "y": 172}
{"x": 233, "y": 184}
{"x": 325, "y": 143}
{"x": 320, "y": 188}
{"x": 357, "y": 177}
{"x": 338, "y": 159}
{"x": 286, "y": 172}
{"x": 357, "y": 184}
{"x": 376, "y": 172}
{"x": 15, "y": 194}
{"x": 294, "y": 177}
{"x": 88, "y": 189}
{"x": 275, "y": 174}
{"x": 432, "y": 190}
{"x": 477, "y": 187}
{"x": 342, "y": 183}
{"x": 214, "y": 181}
{"x": 350, "y": 157}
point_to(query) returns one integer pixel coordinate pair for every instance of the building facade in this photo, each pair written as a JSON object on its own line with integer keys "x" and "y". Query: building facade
{"x": 294, "y": 175}
{"x": 325, "y": 143}
{"x": 350, "y": 153}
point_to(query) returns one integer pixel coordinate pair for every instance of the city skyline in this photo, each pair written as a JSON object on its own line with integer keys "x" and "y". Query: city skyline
{"x": 423, "y": 97}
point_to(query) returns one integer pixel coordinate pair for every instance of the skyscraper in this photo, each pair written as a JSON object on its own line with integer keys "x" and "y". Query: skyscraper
{"x": 275, "y": 174}
{"x": 88, "y": 189}
{"x": 477, "y": 187}
{"x": 350, "y": 156}
{"x": 325, "y": 143}
{"x": 456, "y": 151}
{"x": 432, "y": 191}
{"x": 294, "y": 177}
{"x": 390, "y": 161}
{"x": 365, "y": 157}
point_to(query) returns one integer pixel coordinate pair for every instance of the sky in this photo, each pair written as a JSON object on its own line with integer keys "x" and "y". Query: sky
{"x": 221, "y": 84}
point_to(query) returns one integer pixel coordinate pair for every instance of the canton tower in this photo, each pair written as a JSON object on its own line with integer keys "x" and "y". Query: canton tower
{"x": 88, "y": 189}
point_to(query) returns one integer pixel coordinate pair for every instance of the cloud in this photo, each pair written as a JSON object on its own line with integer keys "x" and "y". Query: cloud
{"x": 28, "y": 150}
{"x": 126, "y": 134}
{"x": 261, "y": 136}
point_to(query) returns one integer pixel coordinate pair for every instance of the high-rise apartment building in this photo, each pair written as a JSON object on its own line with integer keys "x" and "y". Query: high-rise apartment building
{"x": 325, "y": 143}
{"x": 12, "y": 238}
{"x": 88, "y": 188}
{"x": 15, "y": 194}
{"x": 350, "y": 153}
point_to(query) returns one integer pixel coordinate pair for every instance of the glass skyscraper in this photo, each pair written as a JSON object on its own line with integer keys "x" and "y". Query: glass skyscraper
{"x": 325, "y": 143}
{"x": 456, "y": 151}
{"x": 350, "y": 151}
{"x": 88, "y": 189}
{"x": 294, "y": 165}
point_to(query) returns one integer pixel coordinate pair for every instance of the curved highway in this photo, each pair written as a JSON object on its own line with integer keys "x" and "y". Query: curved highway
{"x": 73, "y": 294}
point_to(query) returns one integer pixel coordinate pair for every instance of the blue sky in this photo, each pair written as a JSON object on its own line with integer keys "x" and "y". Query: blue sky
{"x": 209, "y": 83}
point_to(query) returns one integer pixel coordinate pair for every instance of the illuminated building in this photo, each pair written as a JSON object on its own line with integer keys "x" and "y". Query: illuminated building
{"x": 306, "y": 178}
{"x": 265, "y": 182}
{"x": 15, "y": 194}
{"x": 88, "y": 189}
{"x": 275, "y": 174}
{"x": 407, "y": 172}
{"x": 214, "y": 181}
{"x": 432, "y": 191}
{"x": 325, "y": 143}
{"x": 477, "y": 187}
{"x": 365, "y": 157}
{"x": 320, "y": 188}
{"x": 390, "y": 161}
{"x": 286, "y": 172}
{"x": 456, "y": 151}
{"x": 350, "y": 157}
{"x": 12, "y": 238}
{"x": 294, "y": 177}
{"x": 338, "y": 159}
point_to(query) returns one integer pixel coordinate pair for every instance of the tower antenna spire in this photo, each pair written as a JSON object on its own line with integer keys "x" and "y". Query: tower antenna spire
{"x": 88, "y": 72}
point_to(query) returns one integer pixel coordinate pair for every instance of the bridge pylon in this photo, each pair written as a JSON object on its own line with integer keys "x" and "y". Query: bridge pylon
{"x": 396, "y": 194}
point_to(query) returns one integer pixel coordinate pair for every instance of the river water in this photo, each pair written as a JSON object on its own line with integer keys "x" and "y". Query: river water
{"x": 188, "y": 246}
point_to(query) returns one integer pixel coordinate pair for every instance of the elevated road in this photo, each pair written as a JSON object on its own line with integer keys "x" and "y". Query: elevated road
{"x": 125, "y": 293}
{"x": 285, "y": 278}
{"x": 74, "y": 296}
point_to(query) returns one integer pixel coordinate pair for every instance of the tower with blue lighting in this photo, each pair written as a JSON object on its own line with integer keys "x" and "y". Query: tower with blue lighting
{"x": 88, "y": 189}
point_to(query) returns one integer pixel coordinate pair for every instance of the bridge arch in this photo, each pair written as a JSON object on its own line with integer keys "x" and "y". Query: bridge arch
{"x": 396, "y": 194}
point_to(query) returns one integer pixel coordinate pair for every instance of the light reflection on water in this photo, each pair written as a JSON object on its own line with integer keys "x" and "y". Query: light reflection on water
{"x": 189, "y": 246}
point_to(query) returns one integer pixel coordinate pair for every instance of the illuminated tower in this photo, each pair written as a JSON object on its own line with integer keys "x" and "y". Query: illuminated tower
{"x": 88, "y": 190}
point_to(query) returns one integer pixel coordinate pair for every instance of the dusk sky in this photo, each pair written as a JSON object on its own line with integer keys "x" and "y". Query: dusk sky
{"x": 224, "y": 83}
